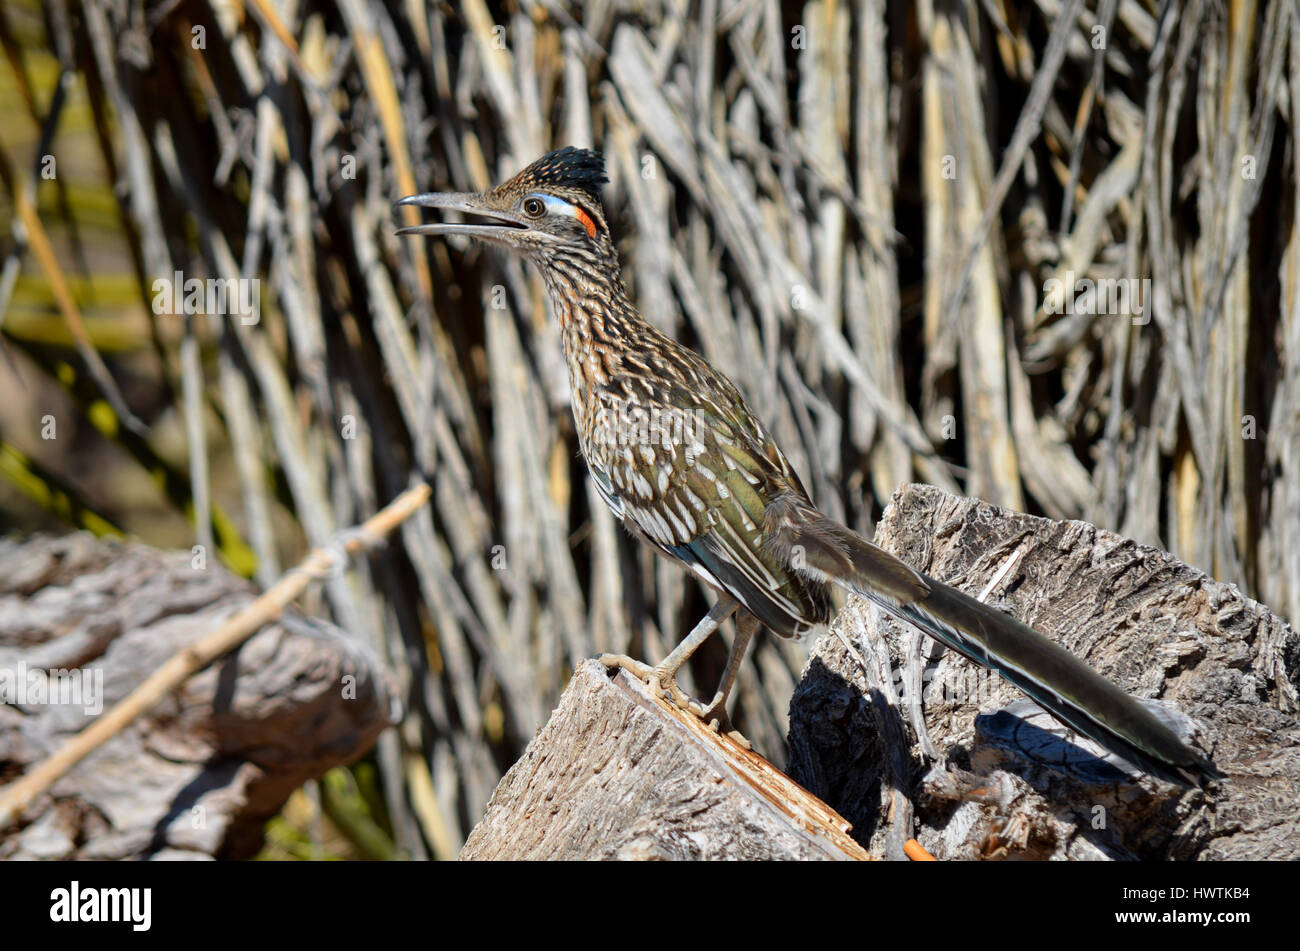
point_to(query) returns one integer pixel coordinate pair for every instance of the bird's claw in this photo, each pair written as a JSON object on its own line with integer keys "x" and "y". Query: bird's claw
{"x": 660, "y": 683}
{"x": 716, "y": 718}
{"x": 663, "y": 685}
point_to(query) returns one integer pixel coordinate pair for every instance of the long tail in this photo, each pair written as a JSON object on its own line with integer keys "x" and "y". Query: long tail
{"x": 1076, "y": 694}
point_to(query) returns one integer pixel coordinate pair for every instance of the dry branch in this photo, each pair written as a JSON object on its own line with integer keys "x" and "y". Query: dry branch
{"x": 197, "y": 774}
{"x": 320, "y": 563}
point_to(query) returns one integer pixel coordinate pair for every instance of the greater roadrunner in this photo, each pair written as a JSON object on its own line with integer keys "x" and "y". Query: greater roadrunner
{"x": 679, "y": 458}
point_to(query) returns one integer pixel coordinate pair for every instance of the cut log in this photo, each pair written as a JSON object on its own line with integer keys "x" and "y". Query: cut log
{"x": 1020, "y": 784}
{"x": 618, "y": 774}
{"x": 199, "y": 774}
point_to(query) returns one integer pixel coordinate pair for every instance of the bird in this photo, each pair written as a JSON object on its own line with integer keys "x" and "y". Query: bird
{"x": 682, "y": 461}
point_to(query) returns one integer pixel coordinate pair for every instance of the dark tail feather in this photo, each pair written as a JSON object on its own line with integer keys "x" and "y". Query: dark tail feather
{"x": 1057, "y": 680}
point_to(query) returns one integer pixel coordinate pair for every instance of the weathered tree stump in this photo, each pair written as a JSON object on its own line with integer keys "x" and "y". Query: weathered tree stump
{"x": 1030, "y": 788}
{"x": 198, "y": 775}
{"x": 618, "y": 774}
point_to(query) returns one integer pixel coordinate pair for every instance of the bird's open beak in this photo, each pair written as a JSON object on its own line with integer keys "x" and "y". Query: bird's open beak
{"x": 506, "y": 224}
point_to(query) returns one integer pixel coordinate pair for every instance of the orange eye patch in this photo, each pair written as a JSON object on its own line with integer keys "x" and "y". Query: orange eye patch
{"x": 587, "y": 223}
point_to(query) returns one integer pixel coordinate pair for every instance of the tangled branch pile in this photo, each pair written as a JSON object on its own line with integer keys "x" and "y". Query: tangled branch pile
{"x": 898, "y": 228}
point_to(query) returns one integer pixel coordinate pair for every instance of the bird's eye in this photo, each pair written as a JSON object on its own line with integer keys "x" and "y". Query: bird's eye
{"x": 534, "y": 208}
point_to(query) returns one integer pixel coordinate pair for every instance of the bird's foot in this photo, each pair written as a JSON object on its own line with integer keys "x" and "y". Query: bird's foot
{"x": 662, "y": 683}
{"x": 715, "y": 715}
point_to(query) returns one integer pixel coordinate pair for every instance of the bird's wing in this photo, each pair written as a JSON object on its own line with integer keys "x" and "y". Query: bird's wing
{"x": 685, "y": 477}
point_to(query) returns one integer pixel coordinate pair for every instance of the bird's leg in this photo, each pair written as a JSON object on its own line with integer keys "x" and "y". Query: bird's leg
{"x": 662, "y": 678}
{"x": 715, "y": 714}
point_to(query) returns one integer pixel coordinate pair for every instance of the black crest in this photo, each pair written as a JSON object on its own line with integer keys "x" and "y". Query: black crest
{"x": 578, "y": 169}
